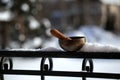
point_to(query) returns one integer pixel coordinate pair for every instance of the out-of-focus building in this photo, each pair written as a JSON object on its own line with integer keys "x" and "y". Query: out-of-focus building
{"x": 64, "y": 13}
{"x": 111, "y": 15}
{"x": 90, "y": 12}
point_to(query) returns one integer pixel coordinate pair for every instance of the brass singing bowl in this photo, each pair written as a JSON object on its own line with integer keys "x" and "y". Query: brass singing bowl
{"x": 72, "y": 45}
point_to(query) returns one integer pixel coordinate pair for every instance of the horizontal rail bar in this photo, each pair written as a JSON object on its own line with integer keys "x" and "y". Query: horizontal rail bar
{"x": 60, "y": 54}
{"x": 62, "y": 73}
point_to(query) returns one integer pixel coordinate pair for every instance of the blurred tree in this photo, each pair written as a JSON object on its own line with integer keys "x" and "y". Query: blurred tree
{"x": 22, "y": 20}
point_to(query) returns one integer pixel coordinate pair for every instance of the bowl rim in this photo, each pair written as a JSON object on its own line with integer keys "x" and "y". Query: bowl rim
{"x": 73, "y": 37}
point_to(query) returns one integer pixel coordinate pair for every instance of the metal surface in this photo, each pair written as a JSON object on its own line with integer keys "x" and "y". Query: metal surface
{"x": 61, "y": 54}
{"x": 72, "y": 45}
{"x": 47, "y": 69}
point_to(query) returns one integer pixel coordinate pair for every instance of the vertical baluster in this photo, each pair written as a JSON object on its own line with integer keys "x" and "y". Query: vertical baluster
{"x": 87, "y": 68}
{"x": 1, "y": 68}
{"x": 4, "y": 65}
{"x": 45, "y": 67}
{"x": 1, "y": 77}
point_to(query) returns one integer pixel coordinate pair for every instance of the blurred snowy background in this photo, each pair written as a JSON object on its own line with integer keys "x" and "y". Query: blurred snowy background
{"x": 25, "y": 24}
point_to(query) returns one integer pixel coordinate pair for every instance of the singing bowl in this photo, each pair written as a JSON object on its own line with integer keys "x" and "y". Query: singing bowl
{"x": 72, "y": 45}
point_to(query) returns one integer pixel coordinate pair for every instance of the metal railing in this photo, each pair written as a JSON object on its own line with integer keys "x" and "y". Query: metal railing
{"x": 47, "y": 69}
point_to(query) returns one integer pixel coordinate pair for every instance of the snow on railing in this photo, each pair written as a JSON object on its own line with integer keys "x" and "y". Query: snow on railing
{"x": 47, "y": 69}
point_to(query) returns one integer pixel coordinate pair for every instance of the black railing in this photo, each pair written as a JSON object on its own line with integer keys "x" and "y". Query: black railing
{"x": 47, "y": 69}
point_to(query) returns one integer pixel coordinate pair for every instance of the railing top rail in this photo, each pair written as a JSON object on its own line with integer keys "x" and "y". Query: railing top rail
{"x": 60, "y": 54}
